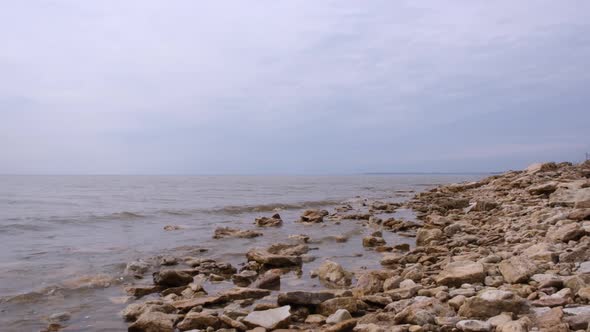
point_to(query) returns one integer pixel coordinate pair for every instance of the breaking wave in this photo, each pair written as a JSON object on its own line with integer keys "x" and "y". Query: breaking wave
{"x": 239, "y": 209}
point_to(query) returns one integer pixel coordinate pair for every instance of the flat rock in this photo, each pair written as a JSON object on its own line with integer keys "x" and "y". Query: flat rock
{"x": 490, "y": 303}
{"x": 269, "y": 319}
{"x": 458, "y": 273}
{"x": 517, "y": 269}
{"x": 474, "y": 326}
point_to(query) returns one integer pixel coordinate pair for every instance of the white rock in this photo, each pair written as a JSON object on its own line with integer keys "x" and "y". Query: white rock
{"x": 339, "y": 316}
{"x": 269, "y": 319}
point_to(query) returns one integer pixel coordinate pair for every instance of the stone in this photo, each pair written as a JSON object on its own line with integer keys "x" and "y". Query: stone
{"x": 579, "y": 214}
{"x": 460, "y": 272}
{"x": 565, "y": 233}
{"x": 313, "y": 216}
{"x": 273, "y": 221}
{"x": 490, "y": 303}
{"x": 266, "y": 258}
{"x": 244, "y": 278}
{"x": 517, "y": 269}
{"x": 234, "y": 324}
{"x": 172, "y": 278}
{"x": 142, "y": 290}
{"x": 345, "y": 326}
{"x": 550, "y": 318}
{"x": 197, "y": 320}
{"x": 304, "y": 298}
{"x": 315, "y": 319}
{"x": 474, "y": 326}
{"x": 329, "y": 307}
{"x": 499, "y": 319}
{"x": 541, "y": 252}
{"x": 482, "y": 206}
{"x": 426, "y": 235}
{"x": 584, "y": 294}
{"x": 543, "y": 188}
{"x": 228, "y": 232}
{"x": 271, "y": 279}
{"x": 60, "y": 317}
{"x": 153, "y": 322}
{"x": 243, "y": 293}
{"x": 373, "y": 241}
{"x": 370, "y": 283}
{"x": 339, "y": 316}
{"x": 332, "y": 274}
{"x": 269, "y": 319}
{"x": 137, "y": 268}
{"x": 457, "y": 301}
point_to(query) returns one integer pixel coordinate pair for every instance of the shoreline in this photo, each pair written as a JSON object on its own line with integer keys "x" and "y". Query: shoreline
{"x": 510, "y": 252}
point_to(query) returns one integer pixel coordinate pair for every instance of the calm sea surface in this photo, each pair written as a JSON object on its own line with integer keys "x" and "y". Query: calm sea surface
{"x": 59, "y": 234}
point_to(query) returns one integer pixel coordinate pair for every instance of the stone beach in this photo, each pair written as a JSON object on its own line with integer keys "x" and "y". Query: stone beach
{"x": 507, "y": 253}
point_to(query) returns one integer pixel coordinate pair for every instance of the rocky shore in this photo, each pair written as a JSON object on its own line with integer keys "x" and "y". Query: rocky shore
{"x": 507, "y": 253}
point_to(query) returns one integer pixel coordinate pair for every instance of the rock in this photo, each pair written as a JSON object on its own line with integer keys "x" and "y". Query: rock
{"x": 565, "y": 233}
{"x": 370, "y": 283}
{"x": 227, "y": 232}
{"x": 426, "y": 235}
{"x": 373, "y": 241}
{"x": 315, "y": 319}
{"x": 304, "y": 298}
{"x": 339, "y": 316}
{"x": 313, "y": 216}
{"x": 481, "y": 206}
{"x": 134, "y": 310}
{"x": 271, "y": 279}
{"x": 169, "y": 228}
{"x": 242, "y": 293}
{"x": 142, "y": 290}
{"x": 234, "y": 324}
{"x": 457, "y": 301}
{"x": 573, "y": 194}
{"x": 517, "y": 269}
{"x": 153, "y": 322}
{"x": 172, "y": 278}
{"x": 185, "y": 305}
{"x": 514, "y": 326}
{"x": 345, "y": 326}
{"x": 269, "y": 259}
{"x": 550, "y": 318}
{"x": 269, "y": 319}
{"x": 197, "y": 320}
{"x": 543, "y": 188}
{"x": 137, "y": 268}
{"x": 584, "y": 294}
{"x": 460, "y": 272}
{"x": 490, "y": 303}
{"x": 579, "y": 214}
{"x": 474, "y": 326}
{"x": 244, "y": 278}
{"x": 273, "y": 221}
{"x": 329, "y": 307}
{"x": 544, "y": 252}
{"x": 333, "y": 274}
{"x": 500, "y": 319}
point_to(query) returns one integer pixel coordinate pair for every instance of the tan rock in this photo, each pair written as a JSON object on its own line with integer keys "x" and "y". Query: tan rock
{"x": 426, "y": 235}
{"x": 457, "y": 273}
{"x": 517, "y": 269}
{"x": 490, "y": 303}
{"x": 269, "y": 319}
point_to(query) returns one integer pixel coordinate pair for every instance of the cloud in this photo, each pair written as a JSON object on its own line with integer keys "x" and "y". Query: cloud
{"x": 291, "y": 87}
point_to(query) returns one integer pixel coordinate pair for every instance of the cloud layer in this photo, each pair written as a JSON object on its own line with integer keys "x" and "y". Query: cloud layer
{"x": 291, "y": 86}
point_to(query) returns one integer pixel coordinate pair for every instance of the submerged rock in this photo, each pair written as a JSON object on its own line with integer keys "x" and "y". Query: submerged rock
{"x": 227, "y": 232}
{"x": 172, "y": 278}
{"x": 333, "y": 275}
{"x": 313, "y": 216}
{"x": 273, "y": 221}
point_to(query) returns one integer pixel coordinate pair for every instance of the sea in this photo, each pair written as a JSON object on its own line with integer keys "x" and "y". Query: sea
{"x": 65, "y": 240}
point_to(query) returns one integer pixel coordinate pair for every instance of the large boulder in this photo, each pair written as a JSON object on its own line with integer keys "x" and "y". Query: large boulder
{"x": 460, "y": 272}
{"x": 332, "y": 274}
{"x": 490, "y": 303}
{"x": 574, "y": 194}
{"x": 269, "y": 319}
{"x": 517, "y": 269}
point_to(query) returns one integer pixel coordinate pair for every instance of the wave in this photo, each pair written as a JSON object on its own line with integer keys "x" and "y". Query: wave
{"x": 239, "y": 209}
{"x": 124, "y": 215}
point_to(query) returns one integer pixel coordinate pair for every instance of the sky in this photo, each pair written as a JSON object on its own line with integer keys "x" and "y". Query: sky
{"x": 291, "y": 87}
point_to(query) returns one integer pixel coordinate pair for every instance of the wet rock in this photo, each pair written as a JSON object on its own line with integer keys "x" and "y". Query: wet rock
{"x": 244, "y": 278}
{"x": 273, "y": 221}
{"x": 269, "y": 280}
{"x": 134, "y": 310}
{"x": 313, "y": 216}
{"x": 305, "y": 298}
{"x": 242, "y": 293}
{"x": 60, "y": 317}
{"x": 137, "y": 268}
{"x": 196, "y": 320}
{"x": 517, "y": 269}
{"x": 142, "y": 290}
{"x": 373, "y": 241}
{"x": 269, "y": 319}
{"x": 169, "y": 228}
{"x": 172, "y": 278}
{"x": 458, "y": 273}
{"x": 490, "y": 303}
{"x": 332, "y": 274}
{"x": 424, "y": 236}
{"x": 474, "y": 326}
{"x": 266, "y": 258}
{"x": 153, "y": 322}
{"x": 227, "y": 232}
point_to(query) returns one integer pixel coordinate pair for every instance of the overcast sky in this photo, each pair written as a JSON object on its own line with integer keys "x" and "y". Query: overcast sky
{"x": 261, "y": 87}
